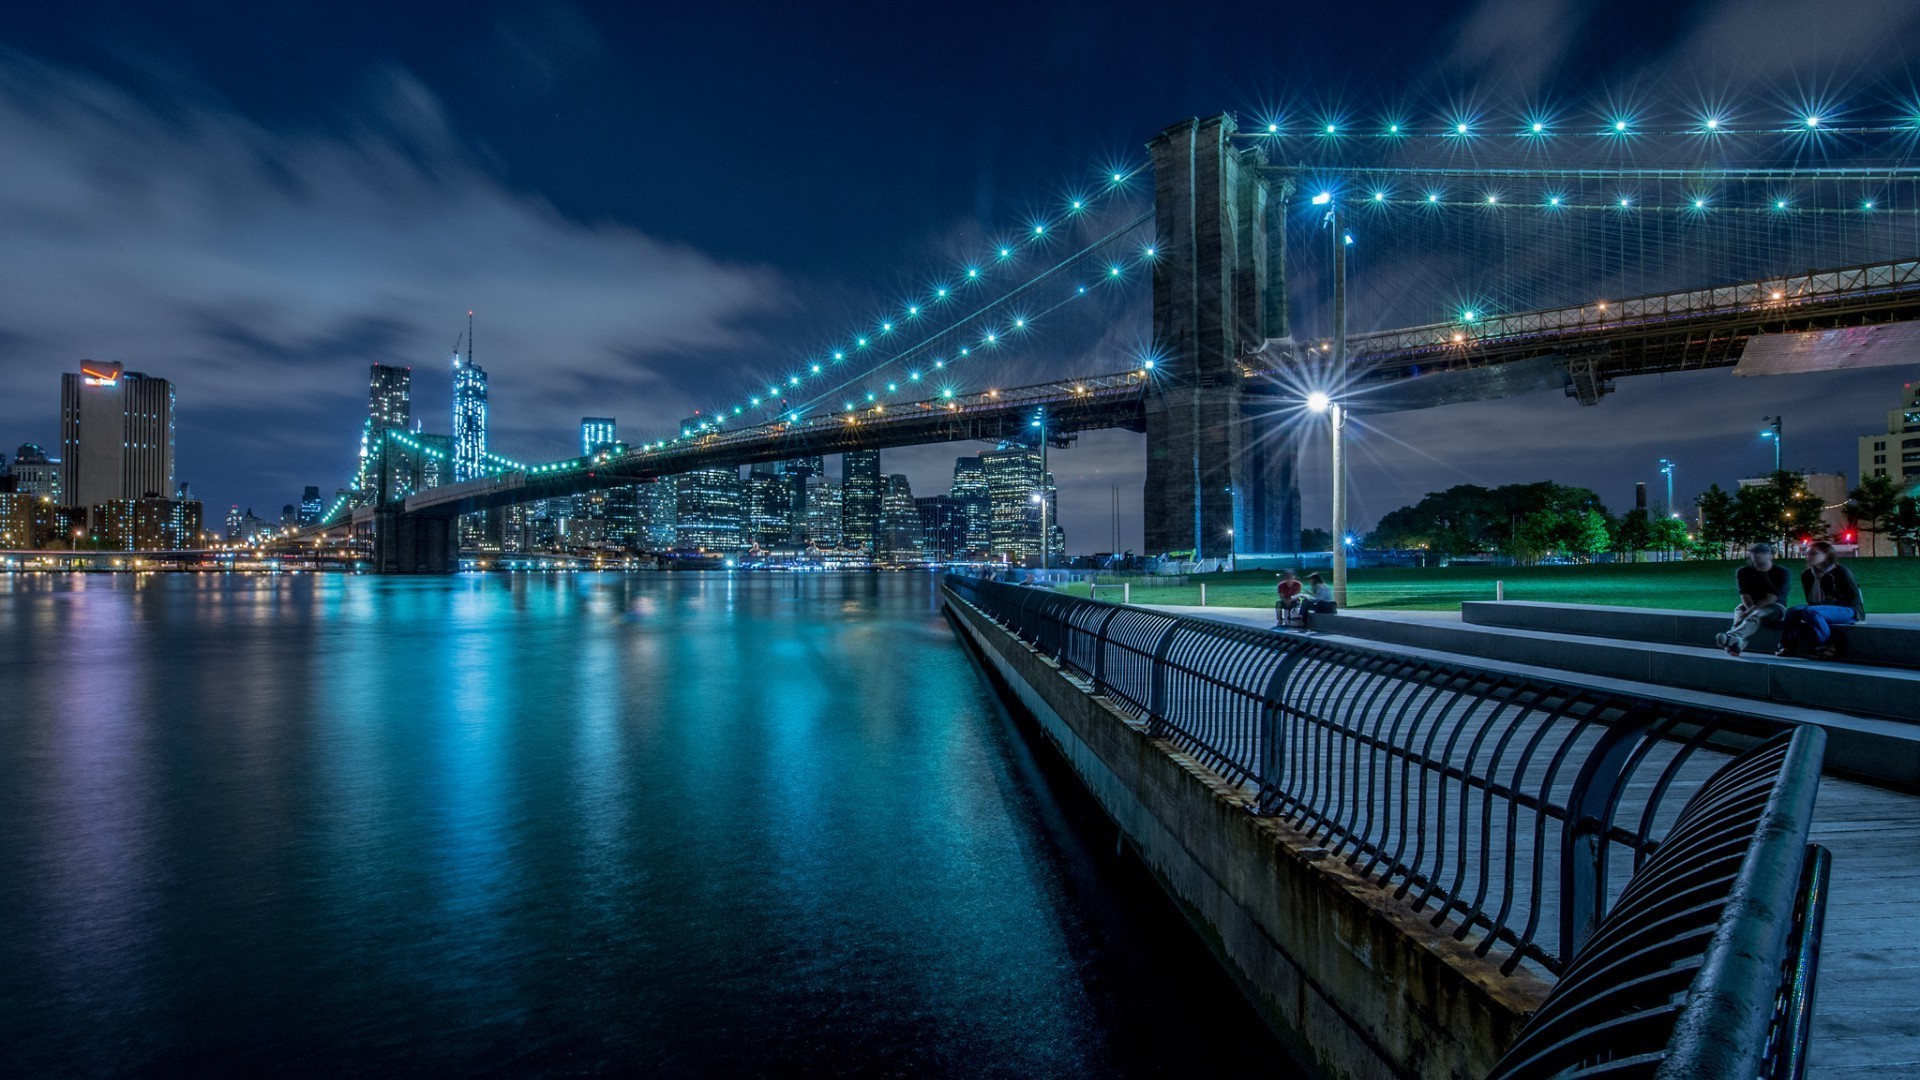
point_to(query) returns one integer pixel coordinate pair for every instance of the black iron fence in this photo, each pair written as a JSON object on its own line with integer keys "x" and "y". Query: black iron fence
{"x": 1520, "y": 810}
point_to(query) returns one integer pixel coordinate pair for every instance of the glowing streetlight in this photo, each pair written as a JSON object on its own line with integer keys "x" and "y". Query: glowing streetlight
{"x": 1772, "y": 431}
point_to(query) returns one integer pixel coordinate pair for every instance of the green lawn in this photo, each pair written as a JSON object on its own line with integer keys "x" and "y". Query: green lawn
{"x": 1891, "y": 586}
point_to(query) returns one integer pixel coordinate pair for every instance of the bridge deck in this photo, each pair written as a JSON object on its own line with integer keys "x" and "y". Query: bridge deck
{"x": 1867, "y": 1013}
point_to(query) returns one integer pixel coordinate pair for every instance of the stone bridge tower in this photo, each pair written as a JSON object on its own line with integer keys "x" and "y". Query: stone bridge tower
{"x": 1221, "y": 473}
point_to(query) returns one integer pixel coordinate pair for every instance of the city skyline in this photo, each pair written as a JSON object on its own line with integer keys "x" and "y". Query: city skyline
{"x": 682, "y": 286}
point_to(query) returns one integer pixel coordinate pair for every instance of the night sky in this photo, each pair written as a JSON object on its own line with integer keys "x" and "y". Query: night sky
{"x": 654, "y": 208}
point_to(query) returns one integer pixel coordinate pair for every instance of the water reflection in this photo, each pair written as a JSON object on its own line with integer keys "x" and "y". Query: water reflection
{"x": 685, "y": 823}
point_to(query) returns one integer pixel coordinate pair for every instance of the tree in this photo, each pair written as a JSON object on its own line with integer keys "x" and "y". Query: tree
{"x": 1904, "y": 523}
{"x": 1316, "y": 540}
{"x": 1871, "y": 504}
{"x": 1635, "y": 534}
{"x": 1669, "y": 534}
{"x": 1720, "y": 524}
{"x": 1584, "y": 532}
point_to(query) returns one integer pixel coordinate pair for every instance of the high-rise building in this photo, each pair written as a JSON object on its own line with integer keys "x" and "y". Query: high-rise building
{"x": 390, "y": 397}
{"x": 770, "y": 505}
{"x": 823, "y": 512}
{"x": 901, "y": 536}
{"x": 34, "y": 473}
{"x": 861, "y": 495}
{"x": 1016, "y": 491}
{"x": 943, "y": 526}
{"x": 310, "y": 505}
{"x": 116, "y": 435}
{"x": 656, "y": 514}
{"x": 800, "y": 472}
{"x": 970, "y": 489}
{"x": 469, "y": 418}
{"x": 153, "y": 523}
{"x": 710, "y": 515}
{"x": 596, "y": 432}
{"x": 1896, "y": 453}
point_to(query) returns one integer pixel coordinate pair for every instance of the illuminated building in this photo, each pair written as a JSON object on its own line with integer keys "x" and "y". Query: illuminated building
{"x": 656, "y": 514}
{"x": 148, "y": 524}
{"x": 1896, "y": 453}
{"x": 596, "y": 432}
{"x": 801, "y": 474}
{"x": 970, "y": 488}
{"x": 710, "y": 512}
{"x": 390, "y": 397}
{"x": 310, "y": 505}
{"x": 34, "y": 473}
{"x": 770, "y": 502}
{"x": 861, "y": 495}
{"x": 469, "y": 418}
{"x": 1014, "y": 479}
{"x": 943, "y": 526}
{"x": 823, "y": 512}
{"x": 116, "y": 435}
{"x": 901, "y": 536}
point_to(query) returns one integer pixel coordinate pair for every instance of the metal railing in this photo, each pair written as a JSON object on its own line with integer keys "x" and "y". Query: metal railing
{"x": 1515, "y": 807}
{"x": 1705, "y": 966}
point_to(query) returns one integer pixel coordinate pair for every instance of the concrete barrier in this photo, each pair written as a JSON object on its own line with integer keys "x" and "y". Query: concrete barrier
{"x": 1870, "y": 642}
{"x": 1354, "y": 982}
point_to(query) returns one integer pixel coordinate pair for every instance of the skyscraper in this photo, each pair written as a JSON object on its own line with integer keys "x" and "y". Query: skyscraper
{"x": 596, "y": 432}
{"x": 800, "y": 473}
{"x": 390, "y": 397}
{"x": 710, "y": 513}
{"x": 901, "y": 535}
{"x": 861, "y": 495}
{"x": 310, "y": 505}
{"x": 469, "y": 417}
{"x": 656, "y": 514}
{"x": 116, "y": 435}
{"x": 970, "y": 489}
{"x": 1016, "y": 487}
{"x": 770, "y": 502}
{"x": 823, "y": 512}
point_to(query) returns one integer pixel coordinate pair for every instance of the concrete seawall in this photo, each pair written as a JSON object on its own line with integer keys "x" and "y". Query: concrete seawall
{"x": 1355, "y": 983}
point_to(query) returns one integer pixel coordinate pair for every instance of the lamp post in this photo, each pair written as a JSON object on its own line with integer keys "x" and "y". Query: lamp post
{"x": 1320, "y": 402}
{"x": 1040, "y": 421}
{"x": 1666, "y": 469}
{"x": 1772, "y": 431}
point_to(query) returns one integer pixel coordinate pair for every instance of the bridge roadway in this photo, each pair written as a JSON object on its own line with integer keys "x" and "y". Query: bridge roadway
{"x": 1579, "y": 348}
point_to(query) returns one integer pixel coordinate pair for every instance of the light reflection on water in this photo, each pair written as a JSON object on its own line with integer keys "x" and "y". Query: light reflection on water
{"x": 685, "y": 823}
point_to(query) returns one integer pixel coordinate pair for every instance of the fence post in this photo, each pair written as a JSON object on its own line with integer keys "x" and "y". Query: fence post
{"x": 1157, "y": 697}
{"x": 1273, "y": 742}
{"x": 1583, "y": 839}
{"x": 1203, "y": 594}
{"x": 1499, "y": 590}
{"x": 1126, "y": 592}
{"x": 1100, "y": 653}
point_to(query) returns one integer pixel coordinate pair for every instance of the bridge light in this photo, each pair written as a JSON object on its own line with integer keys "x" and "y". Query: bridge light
{"x": 816, "y": 369}
{"x": 1460, "y": 128}
{"x": 839, "y": 356}
{"x": 1538, "y": 127}
{"x": 1078, "y": 205}
{"x": 1271, "y": 130}
{"x": 893, "y": 387}
{"x": 1148, "y": 365}
{"x": 1699, "y": 204}
{"x": 1039, "y": 230}
{"x": 1113, "y": 271}
{"x": 1492, "y": 199}
{"x": 1868, "y": 205}
{"x": 1083, "y": 288}
{"x": 991, "y": 338}
{"x": 913, "y": 309}
{"x": 1433, "y": 196}
{"x": 869, "y": 395}
{"x": 1332, "y": 130}
{"x": 1323, "y": 198}
{"x": 939, "y": 363}
{"x": 966, "y": 352}
{"x": 1780, "y": 204}
{"x": 1469, "y": 315}
{"x": 1813, "y": 121}
{"x": 1117, "y": 178}
{"x": 1149, "y": 252}
{"x": 1019, "y": 324}
{"x": 1712, "y": 123}
{"x": 1619, "y": 127}
{"x": 941, "y": 293}
{"x": 1319, "y": 402}
{"x": 913, "y": 376}
{"x": 1379, "y": 196}
{"x": 1006, "y": 253}
{"x": 946, "y": 393}
{"x": 1553, "y": 200}
{"x": 972, "y": 272}
{"x": 886, "y": 327}
{"x": 1624, "y": 201}
{"x": 1393, "y": 129}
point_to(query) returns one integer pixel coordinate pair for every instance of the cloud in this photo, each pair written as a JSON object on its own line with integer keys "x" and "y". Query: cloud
{"x": 262, "y": 269}
{"x": 1520, "y": 42}
{"x": 1779, "y": 39}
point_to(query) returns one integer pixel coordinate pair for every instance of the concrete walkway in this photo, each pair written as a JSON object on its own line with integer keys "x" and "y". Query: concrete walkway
{"x": 1867, "y": 1011}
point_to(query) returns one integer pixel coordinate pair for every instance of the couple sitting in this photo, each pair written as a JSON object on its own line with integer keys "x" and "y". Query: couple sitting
{"x": 1295, "y": 603}
{"x": 1833, "y": 599}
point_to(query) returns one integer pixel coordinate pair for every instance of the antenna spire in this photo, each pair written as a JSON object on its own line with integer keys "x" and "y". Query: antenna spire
{"x": 469, "y": 337}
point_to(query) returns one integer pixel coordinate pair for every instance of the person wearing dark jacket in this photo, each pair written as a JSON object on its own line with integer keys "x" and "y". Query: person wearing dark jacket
{"x": 1833, "y": 599}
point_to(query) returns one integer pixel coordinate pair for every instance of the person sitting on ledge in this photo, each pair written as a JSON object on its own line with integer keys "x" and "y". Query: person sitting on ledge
{"x": 1833, "y": 599}
{"x": 1762, "y": 585}
{"x": 1319, "y": 596}
{"x": 1286, "y": 610}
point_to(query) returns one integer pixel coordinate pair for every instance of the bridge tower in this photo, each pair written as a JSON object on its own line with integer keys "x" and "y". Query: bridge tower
{"x": 1221, "y": 475}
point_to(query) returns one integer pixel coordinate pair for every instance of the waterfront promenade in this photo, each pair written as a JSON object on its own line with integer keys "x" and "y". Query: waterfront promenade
{"x": 1867, "y": 1016}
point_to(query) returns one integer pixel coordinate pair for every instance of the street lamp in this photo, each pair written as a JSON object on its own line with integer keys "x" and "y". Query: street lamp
{"x": 1772, "y": 431}
{"x": 1666, "y": 468}
{"x": 1322, "y": 402}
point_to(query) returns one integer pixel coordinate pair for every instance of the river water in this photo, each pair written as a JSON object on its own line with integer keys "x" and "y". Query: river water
{"x": 681, "y": 824}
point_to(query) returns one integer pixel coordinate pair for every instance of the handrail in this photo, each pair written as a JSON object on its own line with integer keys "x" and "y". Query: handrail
{"x": 1705, "y": 966}
{"x": 1515, "y": 809}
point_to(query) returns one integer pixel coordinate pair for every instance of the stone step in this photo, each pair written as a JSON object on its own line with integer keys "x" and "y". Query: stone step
{"x": 1878, "y": 749}
{"x": 1883, "y": 640}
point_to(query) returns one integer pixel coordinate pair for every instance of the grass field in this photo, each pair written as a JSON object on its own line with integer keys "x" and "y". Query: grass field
{"x": 1891, "y": 586}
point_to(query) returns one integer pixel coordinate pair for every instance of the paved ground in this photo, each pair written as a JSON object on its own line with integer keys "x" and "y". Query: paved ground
{"x": 1867, "y": 1014}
